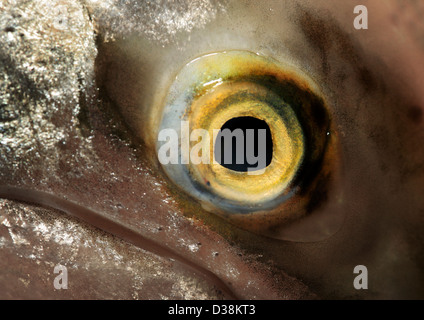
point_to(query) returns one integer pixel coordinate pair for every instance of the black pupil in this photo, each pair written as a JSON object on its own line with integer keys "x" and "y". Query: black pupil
{"x": 243, "y": 123}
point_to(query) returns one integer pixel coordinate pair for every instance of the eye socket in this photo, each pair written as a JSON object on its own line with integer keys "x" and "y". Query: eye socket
{"x": 230, "y": 90}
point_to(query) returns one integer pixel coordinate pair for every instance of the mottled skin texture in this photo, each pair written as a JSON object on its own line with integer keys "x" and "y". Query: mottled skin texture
{"x": 79, "y": 98}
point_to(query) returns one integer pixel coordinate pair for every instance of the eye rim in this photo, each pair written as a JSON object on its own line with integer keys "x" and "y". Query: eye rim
{"x": 320, "y": 169}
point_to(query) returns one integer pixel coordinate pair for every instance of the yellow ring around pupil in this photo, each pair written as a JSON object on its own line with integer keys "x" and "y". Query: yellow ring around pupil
{"x": 213, "y": 90}
{"x": 231, "y": 99}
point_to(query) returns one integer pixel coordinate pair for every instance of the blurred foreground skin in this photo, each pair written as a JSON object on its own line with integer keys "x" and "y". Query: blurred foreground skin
{"x": 79, "y": 185}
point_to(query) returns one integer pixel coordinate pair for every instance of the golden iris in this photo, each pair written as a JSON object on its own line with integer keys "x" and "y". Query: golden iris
{"x": 218, "y": 87}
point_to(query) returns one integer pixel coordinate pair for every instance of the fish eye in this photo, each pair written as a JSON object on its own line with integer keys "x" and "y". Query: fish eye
{"x": 248, "y": 137}
{"x": 82, "y": 106}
